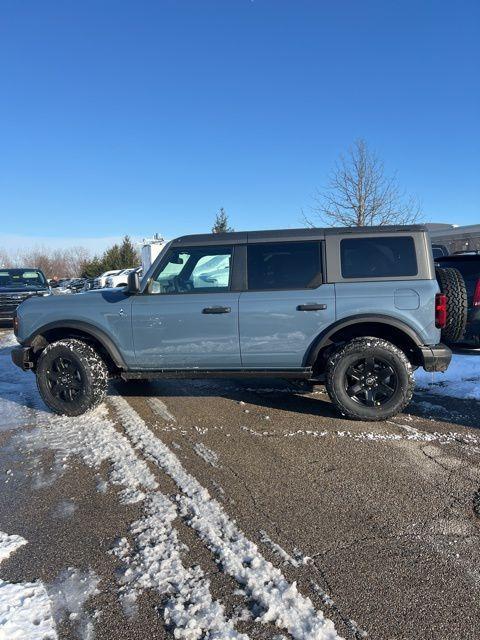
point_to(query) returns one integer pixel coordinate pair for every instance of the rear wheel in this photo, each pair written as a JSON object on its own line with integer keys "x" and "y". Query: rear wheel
{"x": 71, "y": 376}
{"x": 369, "y": 379}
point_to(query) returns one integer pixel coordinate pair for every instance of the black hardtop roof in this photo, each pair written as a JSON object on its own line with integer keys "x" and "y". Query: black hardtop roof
{"x": 278, "y": 235}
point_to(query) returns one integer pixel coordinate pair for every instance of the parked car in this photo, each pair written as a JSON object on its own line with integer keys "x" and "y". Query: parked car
{"x": 89, "y": 283}
{"x": 100, "y": 282}
{"x": 359, "y": 308}
{"x": 468, "y": 264}
{"x": 16, "y": 285}
{"x": 121, "y": 279}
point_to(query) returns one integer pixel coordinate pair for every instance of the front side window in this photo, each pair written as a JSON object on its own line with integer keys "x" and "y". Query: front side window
{"x": 283, "y": 265}
{"x": 378, "y": 257}
{"x": 194, "y": 270}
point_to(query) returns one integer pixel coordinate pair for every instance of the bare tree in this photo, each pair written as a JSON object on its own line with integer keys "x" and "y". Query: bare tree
{"x": 5, "y": 259}
{"x": 58, "y": 263}
{"x": 359, "y": 194}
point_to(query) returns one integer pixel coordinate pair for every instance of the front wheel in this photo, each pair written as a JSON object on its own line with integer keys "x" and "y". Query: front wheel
{"x": 71, "y": 376}
{"x": 369, "y": 379}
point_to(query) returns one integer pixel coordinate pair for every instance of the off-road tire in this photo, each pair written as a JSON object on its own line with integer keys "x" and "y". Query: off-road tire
{"x": 92, "y": 371}
{"x": 452, "y": 284}
{"x": 356, "y": 350}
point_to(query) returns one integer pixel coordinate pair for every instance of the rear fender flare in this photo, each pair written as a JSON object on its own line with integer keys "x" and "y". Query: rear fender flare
{"x": 324, "y": 338}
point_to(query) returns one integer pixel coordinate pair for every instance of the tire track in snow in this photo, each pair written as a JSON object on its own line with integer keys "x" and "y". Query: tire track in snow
{"x": 281, "y": 602}
{"x": 155, "y": 561}
{"x": 156, "y": 558}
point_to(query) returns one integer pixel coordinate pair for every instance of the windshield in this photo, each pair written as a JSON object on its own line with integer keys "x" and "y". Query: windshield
{"x": 22, "y": 279}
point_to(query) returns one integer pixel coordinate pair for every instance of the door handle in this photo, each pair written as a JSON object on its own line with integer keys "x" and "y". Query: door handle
{"x": 216, "y": 310}
{"x": 311, "y": 307}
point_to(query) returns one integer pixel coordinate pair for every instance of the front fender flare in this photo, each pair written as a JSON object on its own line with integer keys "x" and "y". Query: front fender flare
{"x": 86, "y": 328}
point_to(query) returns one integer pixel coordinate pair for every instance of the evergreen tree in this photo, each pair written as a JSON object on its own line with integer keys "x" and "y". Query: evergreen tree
{"x": 221, "y": 222}
{"x": 116, "y": 257}
{"x": 128, "y": 254}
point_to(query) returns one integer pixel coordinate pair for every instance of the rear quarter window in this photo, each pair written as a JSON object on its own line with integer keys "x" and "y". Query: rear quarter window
{"x": 378, "y": 257}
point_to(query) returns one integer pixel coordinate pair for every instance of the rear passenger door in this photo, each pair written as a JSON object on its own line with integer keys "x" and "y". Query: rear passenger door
{"x": 286, "y": 304}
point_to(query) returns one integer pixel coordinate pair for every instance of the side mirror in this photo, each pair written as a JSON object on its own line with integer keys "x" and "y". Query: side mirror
{"x": 133, "y": 285}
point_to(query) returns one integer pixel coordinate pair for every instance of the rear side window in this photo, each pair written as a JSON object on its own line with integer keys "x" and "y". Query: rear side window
{"x": 378, "y": 257}
{"x": 284, "y": 265}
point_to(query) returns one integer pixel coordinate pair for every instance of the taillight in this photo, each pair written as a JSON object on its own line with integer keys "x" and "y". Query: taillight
{"x": 476, "y": 295}
{"x": 440, "y": 310}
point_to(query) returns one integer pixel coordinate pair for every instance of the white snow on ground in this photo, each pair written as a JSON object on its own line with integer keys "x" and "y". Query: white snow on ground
{"x": 296, "y": 561}
{"x": 156, "y": 564}
{"x": 281, "y": 602}
{"x": 25, "y": 608}
{"x": 68, "y": 594}
{"x": 460, "y": 380}
{"x": 156, "y": 561}
{"x": 9, "y": 544}
{"x": 157, "y": 552}
{"x": 19, "y": 398}
{"x": 206, "y": 454}
{"x": 93, "y": 437}
{"x": 162, "y": 409}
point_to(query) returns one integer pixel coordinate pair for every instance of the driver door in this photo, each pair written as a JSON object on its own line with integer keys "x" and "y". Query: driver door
{"x": 188, "y": 316}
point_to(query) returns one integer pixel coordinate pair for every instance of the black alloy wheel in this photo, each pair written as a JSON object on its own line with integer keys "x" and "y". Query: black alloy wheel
{"x": 72, "y": 377}
{"x": 370, "y": 381}
{"x": 64, "y": 379}
{"x": 369, "y": 378}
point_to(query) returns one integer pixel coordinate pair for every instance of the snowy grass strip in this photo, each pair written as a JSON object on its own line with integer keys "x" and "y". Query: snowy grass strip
{"x": 281, "y": 602}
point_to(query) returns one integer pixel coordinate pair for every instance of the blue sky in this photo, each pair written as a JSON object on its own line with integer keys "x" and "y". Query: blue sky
{"x": 134, "y": 117}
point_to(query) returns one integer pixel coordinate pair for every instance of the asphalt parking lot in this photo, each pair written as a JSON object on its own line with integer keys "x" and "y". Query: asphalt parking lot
{"x": 235, "y": 509}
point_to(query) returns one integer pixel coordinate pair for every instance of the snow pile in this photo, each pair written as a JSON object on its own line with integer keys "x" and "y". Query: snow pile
{"x": 25, "y": 608}
{"x": 279, "y": 602}
{"x": 460, "y": 380}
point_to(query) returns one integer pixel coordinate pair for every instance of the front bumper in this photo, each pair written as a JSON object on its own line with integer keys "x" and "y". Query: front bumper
{"x": 7, "y": 312}
{"x": 435, "y": 357}
{"x": 23, "y": 358}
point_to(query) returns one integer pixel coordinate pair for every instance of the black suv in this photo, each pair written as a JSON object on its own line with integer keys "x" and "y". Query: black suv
{"x": 16, "y": 285}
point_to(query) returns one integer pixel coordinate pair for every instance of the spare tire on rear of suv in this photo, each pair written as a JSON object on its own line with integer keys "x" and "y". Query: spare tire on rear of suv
{"x": 452, "y": 284}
